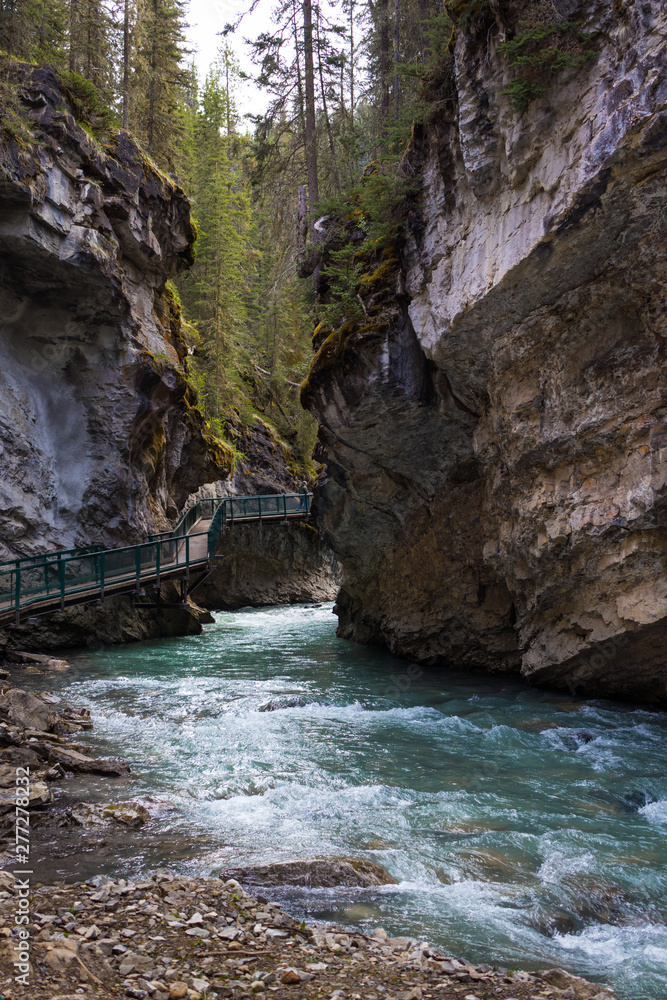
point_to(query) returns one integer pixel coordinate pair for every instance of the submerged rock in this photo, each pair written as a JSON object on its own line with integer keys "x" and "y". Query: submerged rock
{"x": 315, "y": 873}
{"x": 278, "y": 703}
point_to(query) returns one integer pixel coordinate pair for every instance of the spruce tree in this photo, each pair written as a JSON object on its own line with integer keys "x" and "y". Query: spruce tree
{"x": 156, "y": 88}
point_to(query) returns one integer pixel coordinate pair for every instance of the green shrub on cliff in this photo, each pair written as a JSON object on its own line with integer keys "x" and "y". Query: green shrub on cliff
{"x": 87, "y": 105}
{"x": 538, "y": 54}
{"x": 13, "y": 123}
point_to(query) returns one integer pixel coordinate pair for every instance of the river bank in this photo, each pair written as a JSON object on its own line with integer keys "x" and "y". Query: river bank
{"x": 516, "y": 825}
{"x": 171, "y": 938}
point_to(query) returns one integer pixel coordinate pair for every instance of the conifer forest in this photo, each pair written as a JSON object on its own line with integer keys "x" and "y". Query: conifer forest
{"x": 341, "y": 85}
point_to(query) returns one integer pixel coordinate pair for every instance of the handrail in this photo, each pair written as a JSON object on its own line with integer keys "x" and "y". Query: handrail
{"x": 56, "y": 554}
{"x": 52, "y": 578}
{"x": 256, "y": 508}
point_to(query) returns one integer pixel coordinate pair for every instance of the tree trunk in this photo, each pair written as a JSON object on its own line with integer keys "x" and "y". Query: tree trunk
{"x": 73, "y": 11}
{"x": 126, "y": 65}
{"x": 302, "y": 229}
{"x": 332, "y": 146}
{"x": 352, "y": 109}
{"x": 152, "y": 100}
{"x": 384, "y": 60}
{"x": 311, "y": 139}
{"x": 396, "y": 53}
{"x": 425, "y": 15}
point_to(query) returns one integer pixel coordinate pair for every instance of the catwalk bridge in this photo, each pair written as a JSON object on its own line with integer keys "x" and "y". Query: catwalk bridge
{"x": 56, "y": 580}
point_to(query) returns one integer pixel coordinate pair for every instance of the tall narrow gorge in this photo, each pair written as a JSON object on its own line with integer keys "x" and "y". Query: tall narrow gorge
{"x": 493, "y": 422}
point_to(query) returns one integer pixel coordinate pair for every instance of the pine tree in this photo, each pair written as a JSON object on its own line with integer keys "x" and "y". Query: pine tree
{"x": 156, "y": 87}
{"x": 214, "y": 169}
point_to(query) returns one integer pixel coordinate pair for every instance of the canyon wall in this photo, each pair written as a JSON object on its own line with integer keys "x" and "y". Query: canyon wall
{"x": 100, "y": 437}
{"x": 495, "y": 432}
{"x": 287, "y": 562}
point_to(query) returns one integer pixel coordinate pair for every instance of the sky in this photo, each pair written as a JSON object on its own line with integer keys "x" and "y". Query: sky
{"x": 207, "y": 18}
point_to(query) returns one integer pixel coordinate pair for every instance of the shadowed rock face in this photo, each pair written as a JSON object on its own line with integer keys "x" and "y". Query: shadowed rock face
{"x": 496, "y": 449}
{"x": 99, "y": 437}
{"x": 270, "y": 564}
{"x": 287, "y": 562}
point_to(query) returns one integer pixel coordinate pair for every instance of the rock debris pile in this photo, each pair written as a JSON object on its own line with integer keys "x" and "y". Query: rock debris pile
{"x": 35, "y": 734}
{"x": 174, "y": 938}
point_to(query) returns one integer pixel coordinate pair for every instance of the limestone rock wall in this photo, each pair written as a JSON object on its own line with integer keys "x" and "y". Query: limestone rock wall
{"x": 99, "y": 437}
{"x": 288, "y": 562}
{"x": 270, "y": 564}
{"x": 496, "y": 448}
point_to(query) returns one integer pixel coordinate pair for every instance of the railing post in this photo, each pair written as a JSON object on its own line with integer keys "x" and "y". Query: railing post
{"x": 102, "y": 568}
{"x": 259, "y": 507}
{"x": 61, "y": 581}
{"x": 158, "y": 549}
{"x": 187, "y": 557}
{"x": 285, "y": 505}
{"x": 18, "y": 593}
{"x": 137, "y": 566}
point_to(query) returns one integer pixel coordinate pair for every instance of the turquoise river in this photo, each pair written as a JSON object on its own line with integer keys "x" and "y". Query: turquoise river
{"x": 524, "y": 828}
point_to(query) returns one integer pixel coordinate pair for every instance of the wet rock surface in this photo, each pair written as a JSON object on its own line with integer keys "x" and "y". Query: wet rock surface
{"x": 175, "y": 938}
{"x": 314, "y": 873}
{"x": 495, "y": 438}
{"x": 35, "y": 736}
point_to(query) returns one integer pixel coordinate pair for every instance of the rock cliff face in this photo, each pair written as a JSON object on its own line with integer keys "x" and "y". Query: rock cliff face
{"x": 496, "y": 444}
{"x": 99, "y": 437}
{"x": 269, "y": 564}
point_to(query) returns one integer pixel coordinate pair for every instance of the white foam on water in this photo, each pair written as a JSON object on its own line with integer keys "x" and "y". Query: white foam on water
{"x": 465, "y": 794}
{"x": 655, "y": 812}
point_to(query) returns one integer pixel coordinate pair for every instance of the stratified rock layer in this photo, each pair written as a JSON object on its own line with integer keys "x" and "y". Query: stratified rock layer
{"x": 496, "y": 447}
{"x": 99, "y": 437}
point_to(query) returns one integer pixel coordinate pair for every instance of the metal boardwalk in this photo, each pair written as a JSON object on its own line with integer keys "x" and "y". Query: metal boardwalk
{"x": 56, "y": 580}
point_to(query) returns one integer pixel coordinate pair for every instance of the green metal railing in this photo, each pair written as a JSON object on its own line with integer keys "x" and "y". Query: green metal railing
{"x": 58, "y": 578}
{"x": 236, "y": 509}
{"x": 202, "y": 510}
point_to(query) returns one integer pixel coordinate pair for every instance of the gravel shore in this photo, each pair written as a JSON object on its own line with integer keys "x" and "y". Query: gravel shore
{"x": 171, "y": 938}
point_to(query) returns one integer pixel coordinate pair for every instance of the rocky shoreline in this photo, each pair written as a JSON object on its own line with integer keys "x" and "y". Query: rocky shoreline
{"x": 172, "y": 938}
{"x": 169, "y": 937}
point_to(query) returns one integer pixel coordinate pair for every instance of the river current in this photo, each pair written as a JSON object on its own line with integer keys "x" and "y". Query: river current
{"x": 524, "y": 828}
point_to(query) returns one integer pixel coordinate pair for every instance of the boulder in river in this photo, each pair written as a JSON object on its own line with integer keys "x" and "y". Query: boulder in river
{"x": 313, "y": 873}
{"x": 582, "y": 989}
{"x": 130, "y": 814}
{"x": 72, "y": 760}
{"x": 42, "y": 660}
{"x": 39, "y": 795}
